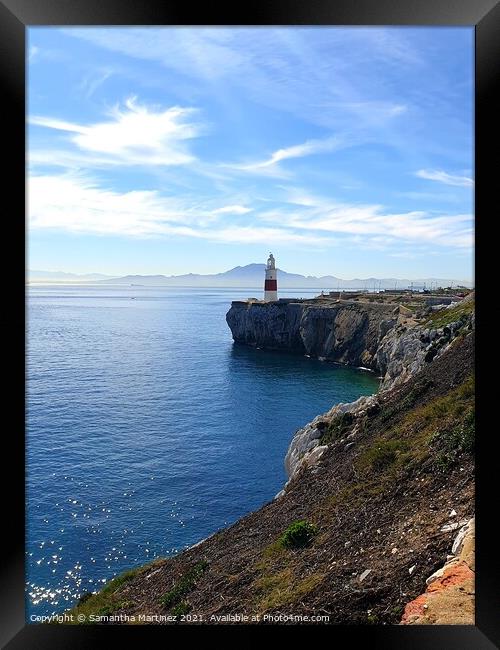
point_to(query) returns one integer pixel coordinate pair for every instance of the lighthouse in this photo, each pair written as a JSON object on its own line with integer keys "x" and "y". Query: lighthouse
{"x": 271, "y": 284}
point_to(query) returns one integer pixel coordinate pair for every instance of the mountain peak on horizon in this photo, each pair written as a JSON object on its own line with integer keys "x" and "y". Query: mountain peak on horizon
{"x": 249, "y": 275}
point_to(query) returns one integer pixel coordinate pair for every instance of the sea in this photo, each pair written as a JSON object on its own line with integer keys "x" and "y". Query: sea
{"x": 148, "y": 429}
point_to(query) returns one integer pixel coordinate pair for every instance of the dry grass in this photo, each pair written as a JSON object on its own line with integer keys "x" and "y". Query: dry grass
{"x": 282, "y": 588}
{"x": 444, "y": 317}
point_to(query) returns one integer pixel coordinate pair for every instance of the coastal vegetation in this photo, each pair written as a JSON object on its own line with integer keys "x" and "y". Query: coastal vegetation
{"x": 181, "y": 588}
{"x": 109, "y": 599}
{"x": 298, "y": 535}
{"x": 443, "y": 317}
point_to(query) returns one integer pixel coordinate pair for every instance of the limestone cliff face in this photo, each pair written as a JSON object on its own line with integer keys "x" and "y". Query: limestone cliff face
{"x": 275, "y": 326}
{"x": 347, "y": 333}
{"x": 403, "y": 352}
{"x": 306, "y": 448}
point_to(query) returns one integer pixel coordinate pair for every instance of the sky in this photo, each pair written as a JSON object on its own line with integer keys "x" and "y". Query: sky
{"x": 345, "y": 151}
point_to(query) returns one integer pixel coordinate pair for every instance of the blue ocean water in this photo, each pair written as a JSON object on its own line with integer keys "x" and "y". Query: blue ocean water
{"x": 148, "y": 429}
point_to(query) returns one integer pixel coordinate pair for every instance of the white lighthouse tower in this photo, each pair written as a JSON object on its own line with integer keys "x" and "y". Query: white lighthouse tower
{"x": 271, "y": 283}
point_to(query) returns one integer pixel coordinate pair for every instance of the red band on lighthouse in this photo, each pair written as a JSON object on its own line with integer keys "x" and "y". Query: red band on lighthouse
{"x": 270, "y": 285}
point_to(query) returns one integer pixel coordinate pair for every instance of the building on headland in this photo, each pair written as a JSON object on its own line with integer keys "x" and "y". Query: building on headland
{"x": 271, "y": 283}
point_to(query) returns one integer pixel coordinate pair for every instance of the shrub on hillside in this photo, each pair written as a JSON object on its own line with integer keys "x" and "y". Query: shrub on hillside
{"x": 298, "y": 535}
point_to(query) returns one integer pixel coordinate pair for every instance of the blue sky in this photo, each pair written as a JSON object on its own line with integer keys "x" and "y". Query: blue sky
{"x": 345, "y": 151}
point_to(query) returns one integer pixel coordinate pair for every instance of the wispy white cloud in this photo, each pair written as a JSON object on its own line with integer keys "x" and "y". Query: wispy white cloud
{"x": 232, "y": 209}
{"x": 135, "y": 135}
{"x": 406, "y": 255}
{"x": 371, "y": 221}
{"x": 446, "y": 196}
{"x": 206, "y": 52}
{"x": 388, "y": 45}
{"x": 54, "y": 123}
{"x": 307, "y": 148}
{"x": 255, "y": 234}
{"x": 444, "y": 177}
{"x": 93, "y": 81}
{"x": 76, "y": 204}
{"x": 70, "y": 159}
{"x": 282, "y": 68}
{"x": 371, "y": 113}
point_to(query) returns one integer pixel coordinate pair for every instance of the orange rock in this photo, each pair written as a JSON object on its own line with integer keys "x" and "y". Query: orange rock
{"x": 456, "y": 574}
{"x": 449, "y": 597}
{"x": 414, "y": 608}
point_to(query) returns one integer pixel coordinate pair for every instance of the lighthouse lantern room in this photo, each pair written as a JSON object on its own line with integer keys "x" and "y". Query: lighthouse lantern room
{"x": 271, "y": 283}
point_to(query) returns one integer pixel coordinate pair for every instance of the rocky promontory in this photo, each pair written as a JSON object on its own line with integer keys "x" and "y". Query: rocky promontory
{"x": 394, "y": 338}
{"x": 346, "y": 332}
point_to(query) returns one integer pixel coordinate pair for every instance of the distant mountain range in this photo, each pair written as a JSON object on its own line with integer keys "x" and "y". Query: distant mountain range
{"x": 61, "y": 276}
{"x": 251, "y": 275}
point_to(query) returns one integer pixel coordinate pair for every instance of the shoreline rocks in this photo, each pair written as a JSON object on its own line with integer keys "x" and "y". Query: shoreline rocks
{"x": 303, "y": 449}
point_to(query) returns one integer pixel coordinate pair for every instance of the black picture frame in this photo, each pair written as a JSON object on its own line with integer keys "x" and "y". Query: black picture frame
{"x": 15, "y": 17}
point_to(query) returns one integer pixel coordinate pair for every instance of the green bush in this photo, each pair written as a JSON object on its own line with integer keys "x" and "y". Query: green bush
{"x": 298, "y": 535}
{"x": 463, "y": 437}
{"x": 445, "y": 461}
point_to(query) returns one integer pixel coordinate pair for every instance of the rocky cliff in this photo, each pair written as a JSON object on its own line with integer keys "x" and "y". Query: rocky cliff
{"x": 412, "y": 344}
{"x": 384, "y": 337}
{"x": 344, "y": 332}
{"x": 401, "y": 353}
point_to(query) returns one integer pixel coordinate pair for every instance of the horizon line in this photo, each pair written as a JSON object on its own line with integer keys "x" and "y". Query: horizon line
{"x": 117, "y": 276}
